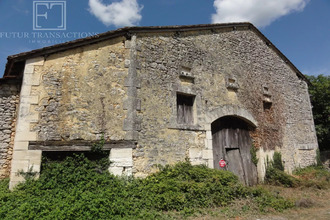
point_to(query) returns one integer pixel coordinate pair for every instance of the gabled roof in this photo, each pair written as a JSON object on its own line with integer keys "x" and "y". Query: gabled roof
{"x": 16, "y": 60}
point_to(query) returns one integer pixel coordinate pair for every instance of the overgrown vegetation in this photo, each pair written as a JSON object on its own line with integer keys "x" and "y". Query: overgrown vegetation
{"x": 98, "y": 146}
{"x": 254, "y": 157}
{"x": 318, "y": 158}
{"x": 277, "y": 161}
{"x": 312, "y": 176}
{"x": 30, "y": 174}
{"x": 78, "y": 187}
{"x": 278, "y": 177}
{"x": 275, "y": 174}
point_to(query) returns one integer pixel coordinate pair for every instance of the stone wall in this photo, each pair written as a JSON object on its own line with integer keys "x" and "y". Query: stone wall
{"x": 9, "y": 96}
{"x": 231, "y": 71}
{"x": 82, "y": 93}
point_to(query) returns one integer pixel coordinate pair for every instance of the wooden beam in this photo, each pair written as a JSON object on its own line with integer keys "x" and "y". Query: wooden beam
{"x": 78, "y": 145}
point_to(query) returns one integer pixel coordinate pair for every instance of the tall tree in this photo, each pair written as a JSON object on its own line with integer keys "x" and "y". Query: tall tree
{"x": 320, "y": 98}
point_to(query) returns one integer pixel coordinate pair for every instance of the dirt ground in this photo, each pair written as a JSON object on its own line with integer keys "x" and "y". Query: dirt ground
{"x": 311, "y": 203}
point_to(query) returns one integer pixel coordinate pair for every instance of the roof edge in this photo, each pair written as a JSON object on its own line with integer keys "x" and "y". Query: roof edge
{"x": 128, "y": 31}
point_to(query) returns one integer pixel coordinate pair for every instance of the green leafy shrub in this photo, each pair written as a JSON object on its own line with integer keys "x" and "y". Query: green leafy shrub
{"x": 184, "y": 185}
{"x": 254, "y": 157}
{"x": 267, "y": 200}
{"x": 275, "y": 174}
{"x": 77, "y": 187}
{"x": 318, "y": 158}
{"x": 4, "y": 186}
{"x": 277, "y": 161}
{"x": 29, "y": 175}
{"x": 278, "y": 177}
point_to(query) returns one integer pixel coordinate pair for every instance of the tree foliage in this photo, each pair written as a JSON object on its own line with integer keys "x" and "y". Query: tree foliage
{"x": 320, "y": 98}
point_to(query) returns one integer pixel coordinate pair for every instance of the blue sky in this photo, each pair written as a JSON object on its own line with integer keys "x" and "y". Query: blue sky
{"x": 299, "y": 28}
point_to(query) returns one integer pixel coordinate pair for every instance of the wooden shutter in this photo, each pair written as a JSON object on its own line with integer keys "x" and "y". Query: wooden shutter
{"x": 185, "y": 111}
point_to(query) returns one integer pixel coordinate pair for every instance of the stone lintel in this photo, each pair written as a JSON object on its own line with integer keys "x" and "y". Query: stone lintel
{"x": 78, "y": 145}
{"x": 306, "y": 146}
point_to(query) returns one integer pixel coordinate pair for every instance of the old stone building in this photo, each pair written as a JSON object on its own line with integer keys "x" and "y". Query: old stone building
{"x": 159, "y": 95}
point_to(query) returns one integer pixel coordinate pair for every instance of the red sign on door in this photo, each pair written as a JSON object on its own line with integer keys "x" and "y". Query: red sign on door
{"x": 222, "y": 163}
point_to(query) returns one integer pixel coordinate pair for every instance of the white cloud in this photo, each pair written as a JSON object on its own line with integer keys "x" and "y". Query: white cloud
{"x": 120, "y": 13}
{"x": 259, "y": 12}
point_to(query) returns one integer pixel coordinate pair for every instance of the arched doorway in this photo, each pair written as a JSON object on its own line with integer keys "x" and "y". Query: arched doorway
{"x": 232, "y": 142}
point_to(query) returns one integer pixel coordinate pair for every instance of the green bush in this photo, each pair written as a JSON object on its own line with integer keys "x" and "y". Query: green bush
{"x": 278, "y": 177}
{"x": 78, "y": 187}
{"x": 253, "y": 152}
{"x": 315, "y": 172}
{"x": 277, "y": 161}
{"x": 312, "y": 176}
{"x": 275, "y": 174}
{"x": 266, "y": 200}
{"x": 318, "y": 158}
{"x": 186, "y": 186}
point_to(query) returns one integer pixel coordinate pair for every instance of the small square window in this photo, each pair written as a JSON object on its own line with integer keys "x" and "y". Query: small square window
{"x": 185, "y": 107}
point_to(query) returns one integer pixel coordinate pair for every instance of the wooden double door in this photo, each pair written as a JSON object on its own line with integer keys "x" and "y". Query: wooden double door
{"x": 232, "y": 143}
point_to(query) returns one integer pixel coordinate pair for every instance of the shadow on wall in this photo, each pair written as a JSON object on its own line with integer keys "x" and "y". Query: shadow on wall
{"x": 325, "y": 158}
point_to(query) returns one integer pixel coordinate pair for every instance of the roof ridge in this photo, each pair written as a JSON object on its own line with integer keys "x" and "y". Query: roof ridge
{"x": 128, "y": 31}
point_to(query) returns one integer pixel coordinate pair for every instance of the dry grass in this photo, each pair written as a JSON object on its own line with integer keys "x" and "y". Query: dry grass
{"x": 311, "y": 204}
{"x": 311, "y": 196}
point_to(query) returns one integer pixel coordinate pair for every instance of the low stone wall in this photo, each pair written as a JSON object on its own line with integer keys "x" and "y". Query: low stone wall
{"x": 9, "y": 96}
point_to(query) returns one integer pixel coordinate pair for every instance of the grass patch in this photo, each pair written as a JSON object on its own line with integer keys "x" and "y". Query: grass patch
{"x": 313, "y": 176}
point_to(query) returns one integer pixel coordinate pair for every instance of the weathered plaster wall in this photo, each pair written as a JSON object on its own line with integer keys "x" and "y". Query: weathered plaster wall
{"x": 81, "y": 93}
{"x": 9, "y": 96}
{"x": 214, "y": 59}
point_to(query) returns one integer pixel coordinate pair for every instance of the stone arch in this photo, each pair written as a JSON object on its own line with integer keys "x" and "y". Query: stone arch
{"x": 229, "y": 110}
{"x": 232, "y": 143}
{"x": 215, "y": 114}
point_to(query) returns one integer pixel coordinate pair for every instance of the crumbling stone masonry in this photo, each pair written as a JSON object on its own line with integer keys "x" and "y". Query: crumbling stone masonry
{"x": 9, "y": 94}
{"x": 163, "y": 94}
